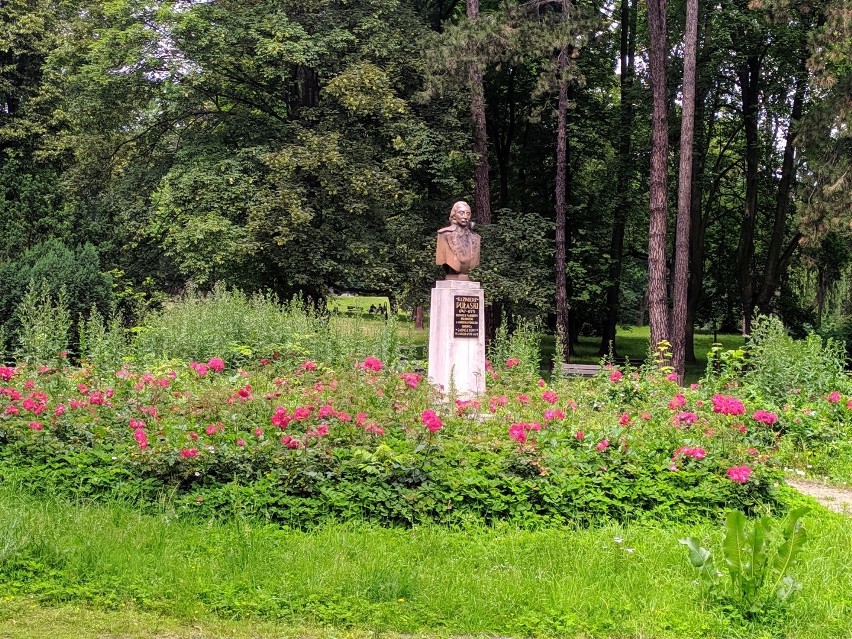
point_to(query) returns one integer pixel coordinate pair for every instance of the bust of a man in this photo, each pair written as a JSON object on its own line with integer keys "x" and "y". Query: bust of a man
{"x": 458, "y": 245}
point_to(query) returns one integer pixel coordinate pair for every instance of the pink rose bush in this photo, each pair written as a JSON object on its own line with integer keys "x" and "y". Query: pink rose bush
{"x": 299, "y": 430}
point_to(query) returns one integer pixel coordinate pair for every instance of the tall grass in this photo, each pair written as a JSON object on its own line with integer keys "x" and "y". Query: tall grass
{"x": 241, "y": 328}
{"x": 612, "y": 581}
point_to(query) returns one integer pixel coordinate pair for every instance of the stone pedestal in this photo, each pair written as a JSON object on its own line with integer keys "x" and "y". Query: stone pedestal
{"x": 457, "y": 337}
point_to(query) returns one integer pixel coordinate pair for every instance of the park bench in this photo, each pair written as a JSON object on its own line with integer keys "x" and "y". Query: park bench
{"x": 590, "y": 370}
{"x": 580, "y": 370}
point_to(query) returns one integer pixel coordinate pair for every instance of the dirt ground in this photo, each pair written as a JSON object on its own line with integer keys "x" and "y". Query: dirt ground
{"x": 836, "y": 499}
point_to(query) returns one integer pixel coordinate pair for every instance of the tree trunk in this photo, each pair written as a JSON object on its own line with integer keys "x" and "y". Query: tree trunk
{"x": 657, "y": 297}
{"x": 482, "y": 193}
{"x": 561, "y": 204}
{"x": 748, "y": 78}
{"x": 684, "y": 197}
{"x": 625, "y": 168}
{"x": 418, "y": 316}
{"x": 776, "y": 263}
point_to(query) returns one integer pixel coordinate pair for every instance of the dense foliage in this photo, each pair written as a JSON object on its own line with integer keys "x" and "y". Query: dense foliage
{"x": 316, "y": 146}
{"x": 300, "y": 424}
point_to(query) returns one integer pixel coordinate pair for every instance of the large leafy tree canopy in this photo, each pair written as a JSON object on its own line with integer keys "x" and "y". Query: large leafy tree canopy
{"x": 316, "y": 146}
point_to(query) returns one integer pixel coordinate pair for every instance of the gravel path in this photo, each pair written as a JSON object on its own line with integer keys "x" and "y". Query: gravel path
{"x": 836, "y": 499}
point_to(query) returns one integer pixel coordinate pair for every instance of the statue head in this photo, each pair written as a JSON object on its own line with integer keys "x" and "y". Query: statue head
{"x": 460, "y": 214}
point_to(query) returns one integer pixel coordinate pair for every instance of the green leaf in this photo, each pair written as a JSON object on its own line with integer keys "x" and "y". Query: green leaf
{"x": 733, "y": 544}
{"x": 698, "y": 556}
{"x": 795, "y": 538}
{"x": 759, "y": 537}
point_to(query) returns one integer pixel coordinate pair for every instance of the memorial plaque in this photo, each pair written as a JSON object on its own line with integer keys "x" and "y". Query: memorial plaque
{"x": 466, "y": 316}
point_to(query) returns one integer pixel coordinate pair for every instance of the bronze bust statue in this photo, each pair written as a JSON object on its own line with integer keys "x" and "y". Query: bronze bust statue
{"x": 458, "y": 245}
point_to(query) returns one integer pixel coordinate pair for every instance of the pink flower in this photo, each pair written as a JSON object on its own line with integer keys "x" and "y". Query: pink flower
{"x": 849, "y": 404}
{"x": 201, "y": 369}
{"x": 326, "y": 410}
{"x": 765, "y": 416}
{"x": 834, "y": 397}
{"x": 580, "y": 435}
{"x": 60, "y": 410}
{"x": 542, "y": 383}
{"x": 301, "y": 413}
{"x": 431, "y": 421}
{"x": 512, "y": 362}
{"x": 753, "y": 451}
{"x": 258, "y": 432}
{"x": 372, "y": 364}
{"x": 550, "y": 396}
{"x": 694, "y": 386}
{"x": 602, "y": 445}
{"x": 624, "y": 420}
{"x": 187, "y": 453}
{"x": 726, "y": 405}
{"x": 136, "y": 424}
{"x": 497, "y": 402}
{"x": 308, "y": 365}
{"x": 280, "y": 418}
{"x": 684, "y": 419}
{"x": 7, "y": 373}
{"x": 518, "y": 433}
{"x": 523, "y": 399}
{"x": 672, "y": 377}
{"x": 463, "y": 404}
{"x": 141, "y": 438}
{"x": 193, "y": 435}
{"x": 290, "y": 442}
{"x": 322, "y": 430}
{"x": 216, "y": 364}
{"x": 36, "y": 426}
{"x": 212, "y": 429}
{"x": 646, "y": 416}
{"x": 552, "y": 414}
{"x": 739, "y": 474}
{"x": 615, "y": 376}
{"x": 241, "y": 443}
{"x": 411, "y": 379}
{"x": 677, "y": 401}
{"x": 689, "y": 451}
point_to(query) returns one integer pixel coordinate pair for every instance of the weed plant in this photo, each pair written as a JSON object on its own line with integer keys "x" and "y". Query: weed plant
{"x": 44, "y": 324}
{"x": 242, "y": 328}
{"x": 780, "y": 366}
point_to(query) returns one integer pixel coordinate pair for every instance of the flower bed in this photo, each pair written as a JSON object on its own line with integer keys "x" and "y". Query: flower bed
{"x": 307, "y": 444}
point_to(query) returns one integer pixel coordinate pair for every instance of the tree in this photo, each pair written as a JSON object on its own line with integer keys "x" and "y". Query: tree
{"x": 627, "y": 66}
{"x": 657, "y": 291}
{"x": 482, "y": 186}
{"x": 684, "y": 199}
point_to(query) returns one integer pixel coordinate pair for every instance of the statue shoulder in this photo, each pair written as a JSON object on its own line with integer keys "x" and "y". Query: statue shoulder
{"x": 447, "y": 229}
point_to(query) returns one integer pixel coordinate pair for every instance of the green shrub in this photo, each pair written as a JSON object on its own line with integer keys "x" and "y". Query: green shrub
{"x": 310, "y": 444}
{"x": 243, "y": 328}
{"x": 778, "y": 366}
{"x": 43, "y": 325}
{"x": 103, "y": 343}
{"x": 75, "y": 271}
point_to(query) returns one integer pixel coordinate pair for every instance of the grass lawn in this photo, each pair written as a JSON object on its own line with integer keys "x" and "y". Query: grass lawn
{"x": 633, "y": 341}
{"x": 77, "y": 570}
{"x": 356, "y": 304}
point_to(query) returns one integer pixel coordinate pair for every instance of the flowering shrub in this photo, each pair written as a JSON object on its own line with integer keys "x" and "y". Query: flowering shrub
{"x": 366, "y": 441}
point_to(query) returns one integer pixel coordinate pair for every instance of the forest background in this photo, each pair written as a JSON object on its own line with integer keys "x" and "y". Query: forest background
{"x": 315, "y": 146}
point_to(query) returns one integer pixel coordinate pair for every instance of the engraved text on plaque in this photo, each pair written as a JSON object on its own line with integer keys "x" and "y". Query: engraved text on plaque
{"x": 466, "y": 316}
